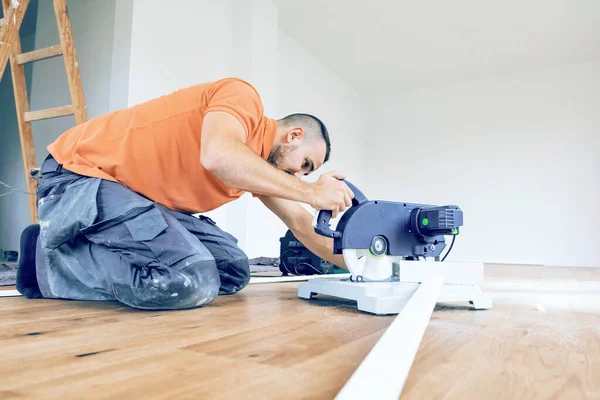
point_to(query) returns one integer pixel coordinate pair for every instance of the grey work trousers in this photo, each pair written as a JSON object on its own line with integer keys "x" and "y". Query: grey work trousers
{"x": 99, "y": 240}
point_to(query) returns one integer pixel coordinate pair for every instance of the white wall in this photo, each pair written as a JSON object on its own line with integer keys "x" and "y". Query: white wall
{"x": 304, "y": 84}
{"x": 92, "y": 23}
{"x": 254, "y": 42}
{"x": 519, "y": 155}
{"x": 193, "y": 45}
{"x": 121, "y": 52}
{"x": 177, "y": 46}
{"x": 207, "y": 40}
{"x": 14, "y": 211}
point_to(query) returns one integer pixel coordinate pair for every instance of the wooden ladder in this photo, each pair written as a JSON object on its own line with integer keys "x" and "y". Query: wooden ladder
{"x": 10, "y": 48}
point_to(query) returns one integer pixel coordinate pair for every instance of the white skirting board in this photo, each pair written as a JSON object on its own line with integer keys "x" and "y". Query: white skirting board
{"x": 278, "y": 279}
{"x": 10, "y": 293}
{"x": 384, "y": 370}
{"x": 454, "y": 273}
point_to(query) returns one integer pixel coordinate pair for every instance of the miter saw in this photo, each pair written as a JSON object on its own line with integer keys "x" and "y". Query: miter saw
{"x": 389, "y": 248}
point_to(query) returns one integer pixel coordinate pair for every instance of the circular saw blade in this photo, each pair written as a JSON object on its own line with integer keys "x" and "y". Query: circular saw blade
{"x": 361, "y": 262}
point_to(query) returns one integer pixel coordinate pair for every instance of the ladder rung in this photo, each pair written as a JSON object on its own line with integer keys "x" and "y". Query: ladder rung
{"x": 39, "y": 54}
{"x": 48, "y": 113}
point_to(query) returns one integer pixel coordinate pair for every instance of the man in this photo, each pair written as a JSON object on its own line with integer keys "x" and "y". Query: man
{"x": 117, "y": 194}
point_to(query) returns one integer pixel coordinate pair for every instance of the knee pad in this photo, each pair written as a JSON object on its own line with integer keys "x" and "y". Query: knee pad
{"x": 165, "y": 288}
{"x": 235, "y": 275}
{"x": 201, "y": 283}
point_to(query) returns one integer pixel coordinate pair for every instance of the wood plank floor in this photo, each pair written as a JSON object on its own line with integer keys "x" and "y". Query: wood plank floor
{"x": 540, "y": 341}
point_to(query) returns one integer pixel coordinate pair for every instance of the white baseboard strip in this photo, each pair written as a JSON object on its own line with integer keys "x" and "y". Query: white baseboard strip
{"x": 384, "y": 370}
{"x": 279, "y": 279}
{"x": 9, "y": 293}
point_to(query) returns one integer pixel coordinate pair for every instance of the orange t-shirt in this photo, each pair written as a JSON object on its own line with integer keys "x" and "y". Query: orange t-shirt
{"x": 154, "y": 147}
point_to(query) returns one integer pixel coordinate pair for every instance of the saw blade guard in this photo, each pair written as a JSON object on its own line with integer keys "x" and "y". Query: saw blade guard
{"x": 364, "y": 266}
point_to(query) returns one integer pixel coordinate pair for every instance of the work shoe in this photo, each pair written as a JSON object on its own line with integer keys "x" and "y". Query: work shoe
{"x": 27, "y": 283}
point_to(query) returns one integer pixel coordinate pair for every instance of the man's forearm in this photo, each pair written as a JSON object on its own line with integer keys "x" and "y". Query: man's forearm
{"x": 299, "y": 221}
{"x": 237, "y": 166}
{"x": 317, "y": 244}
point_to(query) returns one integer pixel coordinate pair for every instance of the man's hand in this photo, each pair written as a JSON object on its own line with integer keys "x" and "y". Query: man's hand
{"x": 332, "y": 194}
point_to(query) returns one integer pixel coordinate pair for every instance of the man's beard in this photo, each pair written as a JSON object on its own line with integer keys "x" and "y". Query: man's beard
{"x": 279, "y": 153}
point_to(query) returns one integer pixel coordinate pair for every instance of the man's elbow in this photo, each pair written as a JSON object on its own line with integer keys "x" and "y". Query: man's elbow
{"x": 212, "y": 161}
{"x": 300, "y": 223}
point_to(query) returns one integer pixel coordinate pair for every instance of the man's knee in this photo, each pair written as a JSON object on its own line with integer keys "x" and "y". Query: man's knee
{"x": 204, "y": 283}
{"x": 167, "y": 289}
{"x": 235, "y": 275}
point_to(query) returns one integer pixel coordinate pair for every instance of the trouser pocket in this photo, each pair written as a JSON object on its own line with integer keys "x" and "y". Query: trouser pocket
{"x": 142, "y": 236}
{"x": 70, "y": 207}
{"x": 216, "y": 229}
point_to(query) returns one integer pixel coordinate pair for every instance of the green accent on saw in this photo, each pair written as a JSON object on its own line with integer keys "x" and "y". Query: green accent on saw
{"x": 375, "y": 256}
{"x": 425, "y": 222}
{"x": 455, "y": 231}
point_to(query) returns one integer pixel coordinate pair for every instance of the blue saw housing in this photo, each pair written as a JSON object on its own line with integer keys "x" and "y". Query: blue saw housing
{"x": 409, "y": 229}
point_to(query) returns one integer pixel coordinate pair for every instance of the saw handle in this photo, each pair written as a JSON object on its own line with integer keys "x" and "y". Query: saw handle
{"x": 322, "y": 217}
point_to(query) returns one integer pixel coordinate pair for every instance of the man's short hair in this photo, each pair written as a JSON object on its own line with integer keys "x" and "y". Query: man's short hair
{"x": 313, "y": 125}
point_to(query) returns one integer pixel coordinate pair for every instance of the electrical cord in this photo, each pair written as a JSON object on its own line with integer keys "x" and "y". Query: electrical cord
{"x": 450, "y": 249}
{"x": 282, "y": 259}
{"x": 312, "y": 266}
{"x": 295, "y": 271}
{"x": 12, "y": 190}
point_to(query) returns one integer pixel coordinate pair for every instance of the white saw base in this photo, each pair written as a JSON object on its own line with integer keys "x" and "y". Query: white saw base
{"x": 384, "y": 298}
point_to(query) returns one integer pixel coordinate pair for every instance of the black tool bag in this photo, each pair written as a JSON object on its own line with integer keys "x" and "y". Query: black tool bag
{"x": 296, "y": 259}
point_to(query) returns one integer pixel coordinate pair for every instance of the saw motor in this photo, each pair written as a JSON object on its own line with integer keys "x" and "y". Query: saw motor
{"x": 374, "y": 235}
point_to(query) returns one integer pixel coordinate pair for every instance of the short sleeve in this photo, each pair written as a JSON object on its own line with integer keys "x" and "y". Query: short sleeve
{"x": 239, "y": 99}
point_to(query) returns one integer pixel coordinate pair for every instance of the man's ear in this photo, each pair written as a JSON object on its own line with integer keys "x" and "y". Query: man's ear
{"x": 295, "y": 134}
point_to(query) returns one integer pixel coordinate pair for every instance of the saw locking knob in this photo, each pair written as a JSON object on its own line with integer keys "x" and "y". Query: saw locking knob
{"x": 378, "y": 246}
